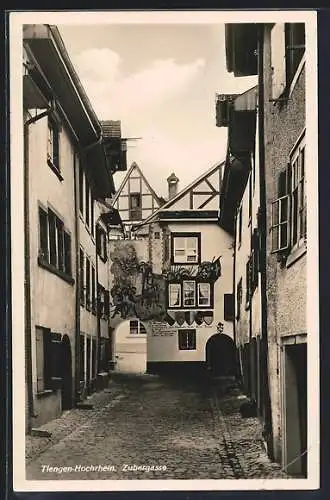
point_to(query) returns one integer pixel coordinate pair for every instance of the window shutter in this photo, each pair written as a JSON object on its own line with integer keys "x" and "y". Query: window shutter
{"x": 278, "y": 60}
{"x": 105, "y": 253}
{"x": 67, "y": 253}
{"x": 228, "y": 307}
{"x": 280, "y": 224}
{"x": 106, "y": 303}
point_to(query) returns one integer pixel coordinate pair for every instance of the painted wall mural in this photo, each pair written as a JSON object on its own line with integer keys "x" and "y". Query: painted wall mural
{"x": 138, "y": 292}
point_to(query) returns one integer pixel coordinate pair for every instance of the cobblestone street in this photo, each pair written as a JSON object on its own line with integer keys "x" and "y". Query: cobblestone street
{"x": 192, "y": 430}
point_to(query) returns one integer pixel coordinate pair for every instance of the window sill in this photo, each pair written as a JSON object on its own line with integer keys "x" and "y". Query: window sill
{"x": 191, "y": 308}
{"x": 55, "y": 169}
{"x": 295, "y": 255}
{"x": 45, "y": 393}
{"x": 52, "y": 269}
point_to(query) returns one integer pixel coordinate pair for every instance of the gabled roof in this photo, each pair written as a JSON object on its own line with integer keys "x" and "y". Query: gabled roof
{"x": 132, "y": 167}
{"x": 182, "y": 193}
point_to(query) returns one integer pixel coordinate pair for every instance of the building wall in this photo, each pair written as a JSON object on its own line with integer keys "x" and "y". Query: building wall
{"x": 163, "y": 340}
{"x": 286, "y": 285}
{"x": 52, "y": 298}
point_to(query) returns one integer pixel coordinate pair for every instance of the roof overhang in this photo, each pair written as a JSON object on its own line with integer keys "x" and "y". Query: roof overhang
{"x": 241, "y": 48}
{"x": 234, "y": 180}
{"x": 49, "y": 52}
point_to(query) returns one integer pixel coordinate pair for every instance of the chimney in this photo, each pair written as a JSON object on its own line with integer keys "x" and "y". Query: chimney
{"x": 172, "y": 182}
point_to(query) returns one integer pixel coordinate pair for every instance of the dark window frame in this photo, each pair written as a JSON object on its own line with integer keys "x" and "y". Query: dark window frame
{"x": 197, "y": 235}
{"x": 135, "y": 212}
{"x": 55, "y": 247}
{"x": 53, "y": 156}
{"x": 187, "y": 339}
{"x": 196, "y": 301}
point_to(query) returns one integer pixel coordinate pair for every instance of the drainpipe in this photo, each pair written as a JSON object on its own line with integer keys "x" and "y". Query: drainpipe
{"x": 239, "y": 371}
{"x": 98, "y": 318}
{"x": 78, "y": 280}
{"x": 27, "y": 256}
{"x": 263, "y": 244}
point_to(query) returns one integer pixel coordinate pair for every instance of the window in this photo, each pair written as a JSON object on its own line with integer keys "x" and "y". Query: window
{"x": 101, "y": 243}
{"x": 287, "y": 49}
{"x": 54, "y": 243}
{"x": 239, "y": 294}
{"x": 204, "y": 294}
{"x": 135, "y": 206}
{"x": 81, "y": 188}
{"x": 239, "y": 226}
{"x": 187, "y": 339}
{"x": 82, "y": 277}
{"x": 295, "y": 48}
{"x": 174, "y": 295}
{"x": 93, "y": 291}
{"x": 53, "y": 145}
{"x": 289, "y": 225}
{"x": 92, "y": 213}
{"x": 248, "y": 284}
{"x": 87, "y": 202}
{"x": 186, "y": 248}
{"x": 280, "y": 224}
{"x": 67, "y": 253}
{"x": 43, "y": 231}
{"x": 136, "y": 327}
{"x": 48, "y": 359}
{"x": 228, "y": 307}
{"x": 88, "y": 284}
{"x": 189, "y": 293}
{"x": 103, "y": 302}
{"x": 298, "y": 197}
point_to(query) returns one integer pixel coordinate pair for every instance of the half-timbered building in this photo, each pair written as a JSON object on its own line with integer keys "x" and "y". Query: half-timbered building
{"x": 194, "y": 255}
{"x": 135, "y": 199}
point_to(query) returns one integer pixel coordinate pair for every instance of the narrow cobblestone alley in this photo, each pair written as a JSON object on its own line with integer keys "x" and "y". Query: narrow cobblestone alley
{"x": 190, "y": 430}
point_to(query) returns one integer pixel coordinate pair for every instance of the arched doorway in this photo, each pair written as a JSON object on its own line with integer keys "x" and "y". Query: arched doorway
{"x": 131, "y": 347}
{"x": 66, "y": 391}
{"x": 221, "y": 355}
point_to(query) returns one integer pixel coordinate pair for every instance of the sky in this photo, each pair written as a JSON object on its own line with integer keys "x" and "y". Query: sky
{"x": 160, "y": 80}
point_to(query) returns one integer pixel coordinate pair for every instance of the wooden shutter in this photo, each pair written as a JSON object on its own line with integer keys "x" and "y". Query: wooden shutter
{"x": 53, "y": 360}
{"x": 40, "y": 359}
{"x": 278, "y": 60}
{"x": 43, "y": 233}
{"x": 67, "y": 253}
{"x": 228, "y": 307}
{"x": 106, "y": 303}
